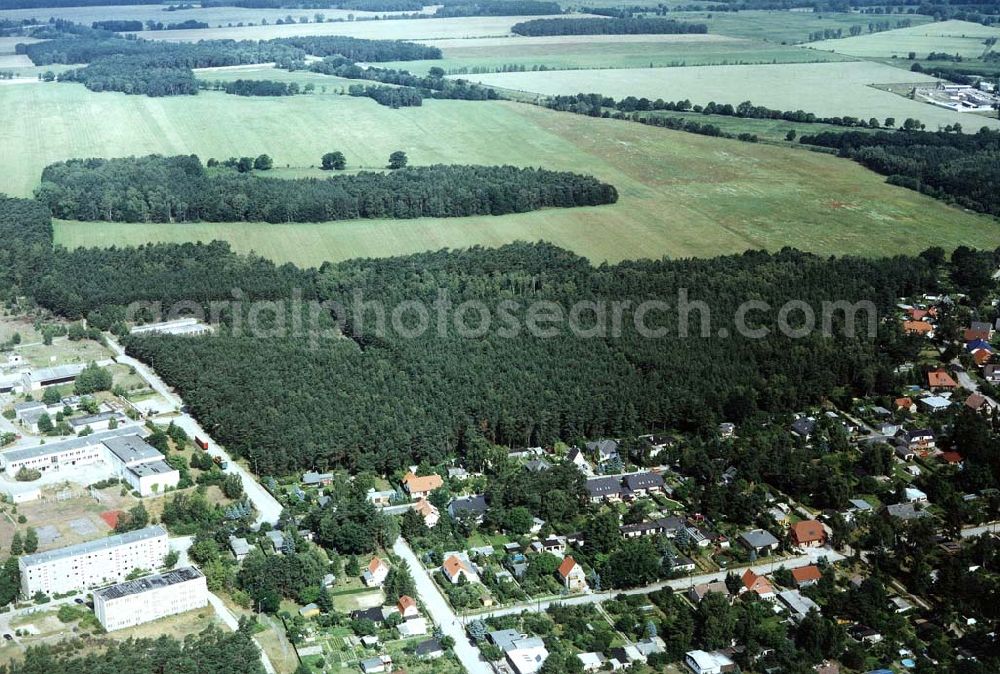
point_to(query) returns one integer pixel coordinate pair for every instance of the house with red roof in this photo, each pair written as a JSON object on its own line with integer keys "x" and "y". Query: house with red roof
{"x": 806, "y": 575}
{"x": 759, "y": 584}
{"x": 572, "y": 575}
{"x": 940, "y": 379}
{"x": 808, "y": 534}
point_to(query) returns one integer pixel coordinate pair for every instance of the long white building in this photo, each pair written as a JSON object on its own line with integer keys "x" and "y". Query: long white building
{"x": 141, "y": 601}
{"x": 129, "y": 456}
{"x": 94, "y": 563}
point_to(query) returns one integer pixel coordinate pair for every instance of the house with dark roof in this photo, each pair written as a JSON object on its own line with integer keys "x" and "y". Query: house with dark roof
{"x": 429, "y": 650}
{"x": 641, "y": 484}
{"x": 469, "y": 506}
{"x": 804, "y": 427}
{"x": 604, "y": 450}
{"x": 760, "y": 541}
{"x": 604, "y": 489}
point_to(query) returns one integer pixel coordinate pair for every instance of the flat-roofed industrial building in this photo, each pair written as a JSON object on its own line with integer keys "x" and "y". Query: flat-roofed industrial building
{"x": 144, "y": 600}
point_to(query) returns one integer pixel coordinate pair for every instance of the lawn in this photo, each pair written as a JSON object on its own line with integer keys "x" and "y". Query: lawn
{"x": 828, "y": 89}
{"x": 608, "y": 51}
{"x": 953, "y": 37}
{"x": 680, "y": 194}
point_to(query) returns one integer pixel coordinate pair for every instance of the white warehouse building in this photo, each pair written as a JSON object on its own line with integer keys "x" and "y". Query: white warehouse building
{"x": 131, "y": 458}
{"x": 135, "y": 602}
{"x": 106, "y": 560}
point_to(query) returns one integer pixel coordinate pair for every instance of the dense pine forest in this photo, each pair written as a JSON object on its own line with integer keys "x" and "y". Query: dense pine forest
{"x": 181, "y": 189}
{"x": 211, "y": 652}
{"x": 537, "y": 27}
{"x": 956, "y": 167}
{"x": 401, "y": 399}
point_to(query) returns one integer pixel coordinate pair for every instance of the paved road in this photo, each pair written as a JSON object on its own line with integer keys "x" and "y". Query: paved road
{"x": 972, "y": 532}
{"x": 806, "y": 559}
{"x": 227, "y": 617}
{"x": 440, "y": 611}
{"x": 268, "y": 508}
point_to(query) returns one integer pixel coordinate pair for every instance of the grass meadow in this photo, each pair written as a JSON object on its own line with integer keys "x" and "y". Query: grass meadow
{"x": 827, "y": 89}
{"x": 680, "y": 194}
{"x": 785, "y": 27}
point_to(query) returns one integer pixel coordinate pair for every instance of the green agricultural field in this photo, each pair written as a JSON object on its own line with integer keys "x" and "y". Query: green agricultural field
{"x": 213, "y": 16}
{"x": 952, "y": 37}
{"x": 610, "y": 51}
{"x": 393, "y": 29}
{"x": 681, "y": 194}
{"x": 786, "y": 27}
{"x": 267, "y": 72}
{"x": 828, "y": 89}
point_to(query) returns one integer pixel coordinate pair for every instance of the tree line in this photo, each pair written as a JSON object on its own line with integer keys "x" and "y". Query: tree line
{"x": 411, "y": 87}
{"x": 955, "y": 167}
{"x": 611, "y": 26}
{"x": 497, "y": 8}
{"x": 179, "y": 189}
{"x": 153, "y": 68}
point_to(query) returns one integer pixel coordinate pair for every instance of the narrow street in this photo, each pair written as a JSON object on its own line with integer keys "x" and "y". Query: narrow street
{"x": 440, "y": 611}
{"x": 679, "y": 584}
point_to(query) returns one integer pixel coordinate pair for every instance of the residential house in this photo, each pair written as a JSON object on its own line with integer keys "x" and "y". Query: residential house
{"x": 604, "y": 450}
{"x": 991, "y": 373}
{"x": 806, "y": 575}
{"x": 537, "y": 466}
{"x": 524, "y": 654}
{"x": 809, "y": 534}
{"x": 376, "y": 665}
{"x": 421, "y": 486}
{"x": 572, "y": 575}
{"x": 309, "y": 611}
{"x": 277, "y": 539}
{"x": 906, "y": 404}
{"x": 920, "y": 439}
{"x": 980, "y": 403}
{"x": 376, "y": 572}
{"x": 918, "y": 328}
{"x": 313, "y": 479}
{"x": 692, "y": 536}
{"x": 641, "y": 484}
{"x": 678, "y": 563}
{"x": 577, "y": 458}
{"x": 982, "y": 327}
{"x": 858, "y": 506}
{"x": 727, "y": 430}
{"x": 604, "y": 489}
{"x": 407, "y": 606}
{"x": 458, "y": 473}
{"x": 914, "y": 495}
{"x": 429, "y": 650}
{"x": 934, "y": 404}
{"x": 804, "y": 427}
{"x": 473, "y": 507}
{"x": 905, "y": 511}
{"x": 240, "y": 548}
{"x": 381, "y": 498}
{"x": 698, "y": 592}
{"x": 428, "y": 512}
{"x": 755, "y": 583}
{"x": 454, "y": 568}
{"x": 798, "y": 605}
{"x": 412, "y": 627}
{"x": 703, "y": 662}
{"x": 940, "y": 379}
{"x": 759, "y": 540}
{"x": 591, "y": 662}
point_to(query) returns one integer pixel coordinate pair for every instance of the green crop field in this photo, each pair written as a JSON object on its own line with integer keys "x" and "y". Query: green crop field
{"x": 952, "y": 37}
{"x": 828, "y": 89}
{"x": 611, "y": 51}
{"x": 392, "y": 29}
{"x": 786, "y": 26}
{"x": 681, "y": 194}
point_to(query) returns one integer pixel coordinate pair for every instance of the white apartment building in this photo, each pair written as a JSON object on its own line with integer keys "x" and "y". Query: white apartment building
{"x": 106, "y": 560}
{"x": 140, "y": 464}
{"x": 147, "y": 599}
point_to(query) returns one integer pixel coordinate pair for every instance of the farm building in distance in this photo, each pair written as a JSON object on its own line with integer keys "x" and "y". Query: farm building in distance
{"x": 180, "y": 326}
{"x": 131, "y": 458}
{"x": 36, "y": 380}
{"x": 141, "y": 601}
{"x": 99, "y": 562}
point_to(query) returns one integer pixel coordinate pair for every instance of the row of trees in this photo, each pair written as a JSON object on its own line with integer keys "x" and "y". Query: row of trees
{"x": 497, "y": 8}
{"x": 611, "y": 26}
{"x": 178, "y": 189}
{"x": 411, "y": 87}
